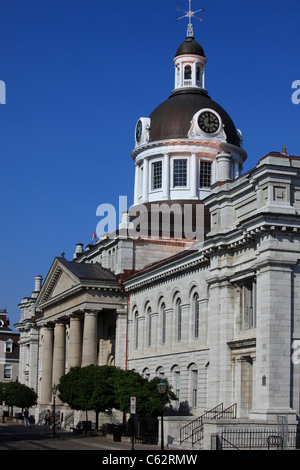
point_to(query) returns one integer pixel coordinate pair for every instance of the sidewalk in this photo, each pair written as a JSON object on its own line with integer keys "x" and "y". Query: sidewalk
{"x": 16, "y": 432}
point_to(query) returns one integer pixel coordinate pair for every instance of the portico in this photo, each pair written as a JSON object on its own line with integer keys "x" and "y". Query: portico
{"x": 84, "y": 313}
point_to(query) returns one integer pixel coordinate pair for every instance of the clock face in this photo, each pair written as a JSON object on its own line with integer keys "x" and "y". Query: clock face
{"x": 209, "y": 122}
{"x": 138, "y": 131}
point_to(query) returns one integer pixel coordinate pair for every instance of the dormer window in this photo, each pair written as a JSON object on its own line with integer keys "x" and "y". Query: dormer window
{"x": 8, "y": 346}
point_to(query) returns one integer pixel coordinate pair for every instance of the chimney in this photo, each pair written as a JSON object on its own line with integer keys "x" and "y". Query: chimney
{"x": 78, "y": 251}
{"x": 38, "y": 283}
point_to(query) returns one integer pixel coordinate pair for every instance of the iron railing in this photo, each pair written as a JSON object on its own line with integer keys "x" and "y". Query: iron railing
{"x": 187, "y": 431}
{"x": 194, "y": 429}
{"x": 251, "y": 439}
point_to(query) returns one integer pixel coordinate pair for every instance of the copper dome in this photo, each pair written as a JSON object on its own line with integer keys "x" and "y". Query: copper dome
{"x": 172, "y": 118}
{"x": 190, "y": 46}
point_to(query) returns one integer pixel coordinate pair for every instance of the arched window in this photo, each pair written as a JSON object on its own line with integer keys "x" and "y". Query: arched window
{"x": 160, "y": 372}
{"x": 146, "y": 373}
{"x": 163, "y": 323}
{"x": 149, "y": 321}
{"x": 187, "y": 72}
{"x": 136, "y": 329}
{"x": 194, "y": 384}
{"x": 196, "y": 315}
{"x": 178, "y": 318}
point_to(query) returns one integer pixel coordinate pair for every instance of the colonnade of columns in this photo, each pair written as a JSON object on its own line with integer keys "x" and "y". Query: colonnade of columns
{"x": 82, "y": 348}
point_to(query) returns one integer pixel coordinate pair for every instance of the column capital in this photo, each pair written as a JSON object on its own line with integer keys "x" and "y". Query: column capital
{"x": 76, "y": 315}
{"x": 91, "y": 310}
{"x": 60, "y": 321}
{"x": 121, "y": 311}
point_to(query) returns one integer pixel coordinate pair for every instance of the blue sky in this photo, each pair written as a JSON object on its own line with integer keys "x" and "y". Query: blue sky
{"x": 79, "y": 74}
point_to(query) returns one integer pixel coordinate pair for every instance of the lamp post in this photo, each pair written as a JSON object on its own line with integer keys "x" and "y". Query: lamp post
{"x": 54, "y": 391}
{"x": 3, "y": 402}
{"x": 162, "y": 390}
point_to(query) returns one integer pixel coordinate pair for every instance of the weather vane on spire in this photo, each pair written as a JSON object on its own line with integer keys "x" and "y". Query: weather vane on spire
{"x": 190, "y": 14}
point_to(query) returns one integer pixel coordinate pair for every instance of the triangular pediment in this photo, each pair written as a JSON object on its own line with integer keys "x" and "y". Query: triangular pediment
{"x": 58, "y": 280}
{"x": 65, "y": 277}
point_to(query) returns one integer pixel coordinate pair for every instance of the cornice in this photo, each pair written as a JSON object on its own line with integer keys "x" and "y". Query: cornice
{"x": 198, "y": 146}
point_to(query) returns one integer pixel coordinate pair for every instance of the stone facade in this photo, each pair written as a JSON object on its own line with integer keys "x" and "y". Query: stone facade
{"x": 216, "y": 315}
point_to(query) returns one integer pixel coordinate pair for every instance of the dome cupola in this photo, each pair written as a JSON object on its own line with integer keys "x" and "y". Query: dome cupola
{"x": 189, "y": 142}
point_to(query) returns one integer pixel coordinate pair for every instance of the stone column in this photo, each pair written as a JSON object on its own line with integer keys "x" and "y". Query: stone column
{"x": 47, "y": 365}
{"x": 59, "y": 353}
{"x": 75, "y": 338}
{"x": 89, "y": 343}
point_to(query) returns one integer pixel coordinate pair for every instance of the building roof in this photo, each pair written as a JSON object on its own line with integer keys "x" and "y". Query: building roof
{"x": 88, "y": 271}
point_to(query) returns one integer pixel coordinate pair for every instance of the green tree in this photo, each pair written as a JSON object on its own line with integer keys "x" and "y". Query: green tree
{"x": 128, "y": 384}
{"x": 18, "y": 394}
{"x": 154, "y": 403}
{"x": 100, "y": 388}
{"x": 88, "y": 388}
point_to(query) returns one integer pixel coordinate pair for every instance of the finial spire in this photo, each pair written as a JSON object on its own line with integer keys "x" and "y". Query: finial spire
{"x": 190, "y": 14}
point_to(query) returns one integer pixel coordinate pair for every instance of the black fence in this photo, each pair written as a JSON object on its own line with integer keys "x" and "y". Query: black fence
{"x": 256, "y": 439}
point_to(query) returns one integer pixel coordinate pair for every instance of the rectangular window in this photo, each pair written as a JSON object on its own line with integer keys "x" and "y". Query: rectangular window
{"x": 205, "y": 174}
{"x": 157, "y": 175}
{"x": 7, "y": 371}
{"x": 180, "y": 173}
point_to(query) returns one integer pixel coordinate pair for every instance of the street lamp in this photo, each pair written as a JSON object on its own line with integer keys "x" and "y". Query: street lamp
{"x": 3, "y": 403}
{"x": 54, "y": 391}
{"x": 162, "y": 390}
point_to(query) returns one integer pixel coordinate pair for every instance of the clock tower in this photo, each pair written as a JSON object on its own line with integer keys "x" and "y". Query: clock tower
{"x": 189, "y": 142}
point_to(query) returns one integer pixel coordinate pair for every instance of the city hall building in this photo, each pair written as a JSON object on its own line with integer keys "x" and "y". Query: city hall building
{"x": 200, "y": 282}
